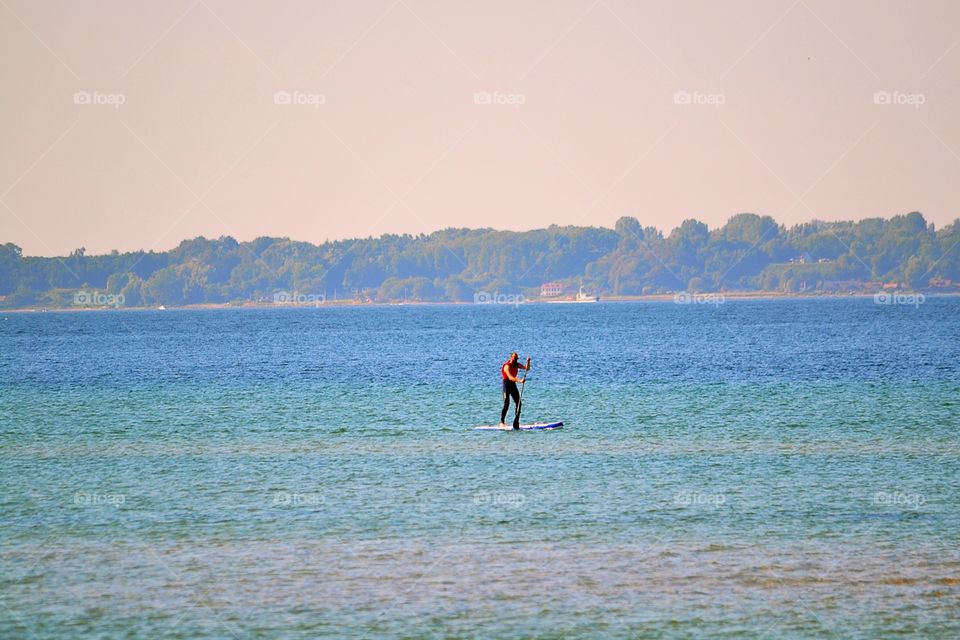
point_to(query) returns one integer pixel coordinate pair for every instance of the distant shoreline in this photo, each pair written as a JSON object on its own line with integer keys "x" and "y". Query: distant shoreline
{"x": 697, "y": 298}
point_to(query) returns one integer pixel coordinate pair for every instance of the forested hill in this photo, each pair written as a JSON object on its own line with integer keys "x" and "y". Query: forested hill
{"x": 750, "y": 252}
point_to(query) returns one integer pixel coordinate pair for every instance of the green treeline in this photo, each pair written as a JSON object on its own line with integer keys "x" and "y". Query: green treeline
{"x": 750, "y": 252}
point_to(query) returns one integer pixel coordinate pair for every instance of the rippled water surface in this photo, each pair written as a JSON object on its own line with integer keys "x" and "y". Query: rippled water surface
{"x": 777, "y": 468}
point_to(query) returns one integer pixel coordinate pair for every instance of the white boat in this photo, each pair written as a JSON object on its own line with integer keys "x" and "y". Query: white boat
{"x": 581, "y": 297}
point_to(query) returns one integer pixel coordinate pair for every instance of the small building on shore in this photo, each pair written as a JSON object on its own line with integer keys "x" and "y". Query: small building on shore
{"x": 551, "y": 289}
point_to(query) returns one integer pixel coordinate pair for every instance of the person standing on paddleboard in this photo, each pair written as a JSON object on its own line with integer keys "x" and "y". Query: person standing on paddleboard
{"x": 509, "y": 372}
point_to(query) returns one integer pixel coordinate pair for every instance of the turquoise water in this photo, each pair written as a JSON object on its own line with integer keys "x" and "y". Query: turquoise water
{"x": 778, "y": 468}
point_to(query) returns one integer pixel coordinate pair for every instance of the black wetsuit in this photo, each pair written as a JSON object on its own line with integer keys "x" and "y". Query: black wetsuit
{"x": 509, "y": 391}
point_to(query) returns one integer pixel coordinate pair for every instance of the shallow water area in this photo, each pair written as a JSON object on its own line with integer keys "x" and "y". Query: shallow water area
{"x": 771, "y": 468}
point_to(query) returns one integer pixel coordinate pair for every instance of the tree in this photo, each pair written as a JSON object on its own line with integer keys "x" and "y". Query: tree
{"x": 628, "y": 227}
{"x": 916, "y": 274}
{"x": 749, "y": 252}
{"x": 10, "y": 256}
{"x": 165, "y": 287}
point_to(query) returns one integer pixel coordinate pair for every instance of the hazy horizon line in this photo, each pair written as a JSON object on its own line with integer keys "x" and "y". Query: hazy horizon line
{"x": 494, "y": 229}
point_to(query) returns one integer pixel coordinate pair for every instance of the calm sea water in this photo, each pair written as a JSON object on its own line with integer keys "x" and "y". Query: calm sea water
{"x": 777, "y": 468}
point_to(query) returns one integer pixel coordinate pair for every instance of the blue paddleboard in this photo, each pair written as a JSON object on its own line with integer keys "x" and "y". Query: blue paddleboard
{"x": 536, "y": 426}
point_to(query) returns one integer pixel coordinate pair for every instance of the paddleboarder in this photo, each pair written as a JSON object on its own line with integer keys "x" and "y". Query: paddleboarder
{"x": 509, "y": 372}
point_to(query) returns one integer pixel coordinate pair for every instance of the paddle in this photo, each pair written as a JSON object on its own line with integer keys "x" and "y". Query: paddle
{"x": 516, "y": 417}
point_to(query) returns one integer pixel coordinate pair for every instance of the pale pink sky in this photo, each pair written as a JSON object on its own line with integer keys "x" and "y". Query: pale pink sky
{"x": 584, "y": 126}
